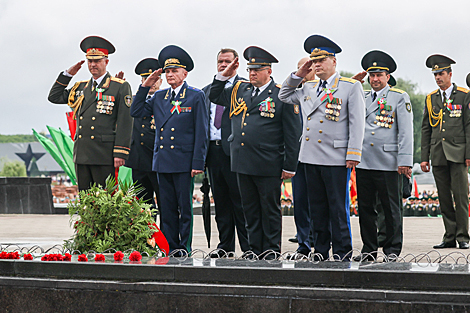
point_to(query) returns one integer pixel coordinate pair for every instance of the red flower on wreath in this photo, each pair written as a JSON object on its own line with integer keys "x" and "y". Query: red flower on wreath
{"x": 118, "y": 256}
{"x": 82, "y": 258}
{"x": 9, "y": 255}
{"x": 27, "y": 257}
{"x": 68, "y": 257}
{"x": 99, "y": 258}
{"x": 135, "y": 256}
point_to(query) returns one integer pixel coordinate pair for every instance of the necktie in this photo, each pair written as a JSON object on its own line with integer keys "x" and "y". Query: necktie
{"x": 445, "y": 99}
{"x": 94, "y": 85}
{"x": 256, "y": 94}
{"x": 374, "y": 96}
{"x": 218, "y": 116}
{"x": 173, "y": 95}
{"x": 320, "y": 87}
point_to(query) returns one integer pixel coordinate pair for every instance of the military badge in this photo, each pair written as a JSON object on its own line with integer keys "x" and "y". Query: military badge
{"x": 176, "y": 107}
{"x": 267, "y": 107}
{"x": 454, "y": 109}
{"x": 408, "y": 107}
{"x": 128, "y": 100}
{"x": 296, "y": 109}
{"x": 306, "y": 98}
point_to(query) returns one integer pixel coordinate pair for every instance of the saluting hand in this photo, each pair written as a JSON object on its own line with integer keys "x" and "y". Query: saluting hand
{"x": 405, "y": 170}
{"x": 152, "y": 79}
{"x": 425, "y": 167}
{"x": 120, "y": 75}
{"x": 231, "y": 69}
{"x": 305, "y": 69}
{"x": 75, "y": 68}
{"x": 360, "y": 76}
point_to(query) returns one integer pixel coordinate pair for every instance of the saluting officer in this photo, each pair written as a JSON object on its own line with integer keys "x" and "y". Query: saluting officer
{"x": 445, "y": 137}
{"x": 143, "y": 140}
{"x": 333, "y": 113}
{"x": 387, "y": 152}
{"x": 264, "y": 145}
{"x": 101, "y": 107}
{"x": 180, "y": 141}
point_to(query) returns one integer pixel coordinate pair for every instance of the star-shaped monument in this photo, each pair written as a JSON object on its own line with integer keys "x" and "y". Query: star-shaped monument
{"x": 29, "y": 155}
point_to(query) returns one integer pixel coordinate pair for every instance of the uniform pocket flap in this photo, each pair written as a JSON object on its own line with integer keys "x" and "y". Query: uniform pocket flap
{"x": 230, "y": 138}
{"x": 107, "y": 138}
{"x": 459, "y": 139}
{"x": 340, "y": 143}
{"x": 390, "y": 147}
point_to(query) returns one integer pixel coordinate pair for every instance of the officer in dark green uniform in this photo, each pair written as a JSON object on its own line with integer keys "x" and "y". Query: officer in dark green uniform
{"x": 445, "y": 138}
{"x": 101, "y": 108}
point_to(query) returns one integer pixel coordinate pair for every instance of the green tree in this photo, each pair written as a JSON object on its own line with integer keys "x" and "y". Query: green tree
{"x": 13, "y": 169}
{"x": 17, "y": 138}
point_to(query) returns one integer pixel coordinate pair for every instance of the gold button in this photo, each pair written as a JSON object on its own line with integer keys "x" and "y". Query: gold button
{"x": 161, "y": 129}
{"x": 143, "y": 126}
{"x": 443, "y": 121}
{"x": 247, "y": 114}
{"x": 373, "y": 133}
{"x": 172, "y": 147}
{"x": 81, "y": 117}
{"x": 443, "y": 129}
{"x": 243, "y": 144}
{"x": 243, "y": 134}
{"x": 443, "y": 139}
{"x": 319, "y": 140}
{"x": 307, "y": 139}
{"x": 172, "y": 138}
{"x": 79, "y": 136}
{"x": 142, "y": 143}
{"x": 92, "y": 127}
{"x": 309, "y": 118}
{"x": 244, "y": 124}
{"x": 320, "y": 131}
{"x": 161, "y": 147}
{"x": 372, "y": 144}
{"x": 161, "y": 137}
{"x": 92, "y": 137}
{"x": 171, "y": 129}
{"x": 321, "y": 121}
{"x": 93, "y": 118}
{"x": 142, "y": 135}
{"x": 145, "y": 117}
{"x": 375, "y": 122}
{"x": 444, "y": 113}
{"x": 308, "y": 128}
{"x": 80, "y": 127}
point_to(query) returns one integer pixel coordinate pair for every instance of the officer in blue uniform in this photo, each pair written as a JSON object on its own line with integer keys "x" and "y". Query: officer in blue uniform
{"x": 180, "y": 141}
{"x": 143, "y": 141}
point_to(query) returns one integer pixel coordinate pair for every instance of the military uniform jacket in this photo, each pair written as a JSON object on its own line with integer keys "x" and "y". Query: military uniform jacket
{"x": 181, "y": 136}
{"x": 324, "y": 141}
{"x": 388, "y": 137}
{"x": 103, "y": 126}
{"x": 142, "y": 145}
{"x": 449, "y": 141}
{"x": 263, "y": 143}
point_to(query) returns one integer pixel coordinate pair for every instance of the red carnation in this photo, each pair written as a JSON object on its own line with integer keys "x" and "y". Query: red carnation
{"x": 82, "y": 258}
{"x": 135, "y": 256}
{"x": 3, "y": 255}
{"x": 28, "y": 257}
{"x": 99, "y": 258}
{"x": 13, "y": 255}
{"x": 118, "y": 256}
{"x": 67, "y": 257}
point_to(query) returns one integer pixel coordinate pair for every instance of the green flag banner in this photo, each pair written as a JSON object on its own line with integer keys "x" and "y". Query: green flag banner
{"x": 64, "y": 149}
{"x": 125, "y": 175}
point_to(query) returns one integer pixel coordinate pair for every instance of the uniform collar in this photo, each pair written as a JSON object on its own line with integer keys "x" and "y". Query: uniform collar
{"x": 100, "y": 79}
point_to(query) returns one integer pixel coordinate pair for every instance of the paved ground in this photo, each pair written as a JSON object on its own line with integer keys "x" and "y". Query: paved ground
{"x": 420, "y": 233}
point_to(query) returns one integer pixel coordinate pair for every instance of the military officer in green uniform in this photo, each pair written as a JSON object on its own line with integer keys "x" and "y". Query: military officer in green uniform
{"x": 101, "y": 108}
{"x": 445, "y": 139}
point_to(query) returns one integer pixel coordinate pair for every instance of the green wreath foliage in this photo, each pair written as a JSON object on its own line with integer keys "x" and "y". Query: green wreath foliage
{"x": 111, "y": 218}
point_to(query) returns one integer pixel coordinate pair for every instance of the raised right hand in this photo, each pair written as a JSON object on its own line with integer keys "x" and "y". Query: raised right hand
{"x": 231, "y": 69}
{"x": 75, "y": 68}
{"x": 360, "y": 76}
{"x": 152, "y": 79}
{"x": 304, "y": 69}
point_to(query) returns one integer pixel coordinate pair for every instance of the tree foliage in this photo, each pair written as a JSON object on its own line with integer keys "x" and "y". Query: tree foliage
{"x": 17, "y": 138}
{"x": 13, "y": 169}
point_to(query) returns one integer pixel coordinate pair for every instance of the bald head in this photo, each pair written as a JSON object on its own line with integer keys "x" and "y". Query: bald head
{"x": 311, "y": 75}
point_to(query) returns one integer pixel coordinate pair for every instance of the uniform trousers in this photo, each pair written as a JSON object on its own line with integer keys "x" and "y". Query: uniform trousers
{"x": 149, "y": 181}
{"x": 89, "y": 174}
{"x": 261, "y": 201}
{"x": 328, "y": 195}
{"x": 176, "y": 208}
{"x": 452, "y": 187}
{"x": 374, "y": 185}
{"x": 229, "y": 214}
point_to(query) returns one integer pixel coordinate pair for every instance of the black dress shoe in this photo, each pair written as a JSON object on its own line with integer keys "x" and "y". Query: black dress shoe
{"x": 363, "y": 258}
{"x": 444, "y": 245}
{"x": 294, "y": 239}
{"x": 218, "y": 254}
{"x": 463, "y": 245}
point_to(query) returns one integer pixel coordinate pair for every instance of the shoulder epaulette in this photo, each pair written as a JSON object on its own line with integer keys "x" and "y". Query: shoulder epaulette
{"x": 161, "y": 90}
{"x": 462, "y": 89}
{"x": 433, "y": 92}
{"x": 118, "y": 80}
{"x": 278, "y": 86}
{"x": 193, "y": 88}
{"x": 312, "y": 81}
{"x": 349, "y": 80}
{"x": 243, "y": 81}
{"x": 397, "y": 90}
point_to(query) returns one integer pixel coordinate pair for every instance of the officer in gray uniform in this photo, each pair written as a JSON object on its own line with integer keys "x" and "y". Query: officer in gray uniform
{"x": 387, "y": 153}
{"x": 333, "y": 113}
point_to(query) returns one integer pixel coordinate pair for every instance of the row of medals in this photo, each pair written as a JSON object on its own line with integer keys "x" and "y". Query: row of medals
{"x": 332, "y": 111}
{"x": 386, "y": 119}
{"x": 105, "y": 107}
{"x": 267, "y": 113}
{"x": 455, "y": 113}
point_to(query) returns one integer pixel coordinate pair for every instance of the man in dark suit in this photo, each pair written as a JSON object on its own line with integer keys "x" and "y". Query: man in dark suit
{"x": 180, "y": 141}
{"x": 143, "y": 140}
{"x": 264, "y": 145}
{"x": 101, "y": 107}
{"x": 228, "y": 206}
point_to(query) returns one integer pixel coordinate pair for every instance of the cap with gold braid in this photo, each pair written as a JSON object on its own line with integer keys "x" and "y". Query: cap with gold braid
{"x": 438, "y": 62}
{"x": 320, "y": 47}
{"x": 378, "y": 61}
{"x": 258, "y": 57}
{"x": 96, "y": 47}
{"x": 175, "y": 57}
{"x": 147, "y": 66}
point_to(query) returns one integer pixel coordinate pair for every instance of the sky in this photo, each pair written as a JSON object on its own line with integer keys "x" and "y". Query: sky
{"x": 39, "y": 39}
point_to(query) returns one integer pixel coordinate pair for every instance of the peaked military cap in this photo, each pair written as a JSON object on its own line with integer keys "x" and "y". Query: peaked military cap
{"x": 96, "y": 47}
{"x": 378, "y": 61}
{"x": 468, "y": 80}
{"x": 175, "y": 57}
{"x": 147, "y": 67}
{"x": 438, "y": 62}
{"x": 258, "y": 57}
{"x": 320, "y": 47}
